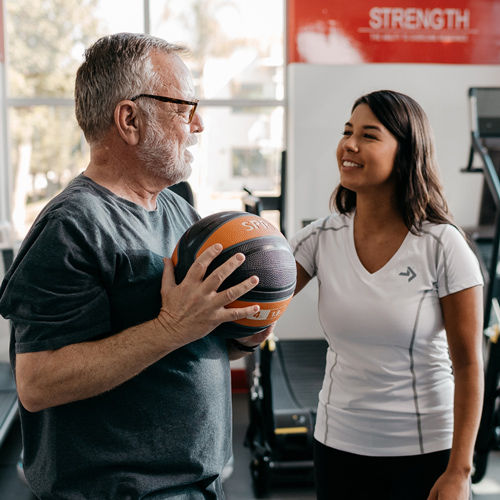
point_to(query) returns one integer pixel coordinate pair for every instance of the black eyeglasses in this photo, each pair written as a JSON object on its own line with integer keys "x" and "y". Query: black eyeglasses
{"x": 161, "y": 98}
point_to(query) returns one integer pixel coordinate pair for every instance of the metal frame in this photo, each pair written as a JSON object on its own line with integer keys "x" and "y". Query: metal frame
{"x": 493, "y": 184}
{"x": 485, "y": 434}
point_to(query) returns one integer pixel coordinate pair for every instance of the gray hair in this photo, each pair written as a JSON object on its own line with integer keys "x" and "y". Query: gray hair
{"x": 115, "y": 67}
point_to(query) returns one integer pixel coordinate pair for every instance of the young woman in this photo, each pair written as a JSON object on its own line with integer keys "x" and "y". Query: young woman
{"x": 400, "y": 301}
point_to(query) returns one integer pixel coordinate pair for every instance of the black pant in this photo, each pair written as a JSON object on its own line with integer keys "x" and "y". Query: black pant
{"x": 345, "y": 476}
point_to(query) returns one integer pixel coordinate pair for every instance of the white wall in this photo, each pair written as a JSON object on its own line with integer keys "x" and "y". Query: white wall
{"x": 319, "y": 102}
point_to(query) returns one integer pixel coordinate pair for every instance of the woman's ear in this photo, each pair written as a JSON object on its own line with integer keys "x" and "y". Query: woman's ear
{"x": 127, "y": 122}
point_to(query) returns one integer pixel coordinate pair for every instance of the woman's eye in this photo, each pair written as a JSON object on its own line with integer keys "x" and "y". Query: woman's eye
{"x": 369, "y": 136}
{"x": 346, "y": 132}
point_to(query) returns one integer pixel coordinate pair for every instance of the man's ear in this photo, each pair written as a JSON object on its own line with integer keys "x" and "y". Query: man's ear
{"x": 127, "y": 122}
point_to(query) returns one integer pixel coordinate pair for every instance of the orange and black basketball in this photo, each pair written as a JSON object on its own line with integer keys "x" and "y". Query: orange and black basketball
{"x": 268, "y": 256}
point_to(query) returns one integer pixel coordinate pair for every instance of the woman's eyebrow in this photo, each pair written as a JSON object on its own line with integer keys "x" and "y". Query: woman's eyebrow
{"x": 373, "y": 127}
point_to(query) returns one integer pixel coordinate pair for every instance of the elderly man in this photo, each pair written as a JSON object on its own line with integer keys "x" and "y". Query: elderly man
{"x": 123, "y": 393}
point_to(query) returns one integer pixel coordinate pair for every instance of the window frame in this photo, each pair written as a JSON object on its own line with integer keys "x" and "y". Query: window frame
{"x": 6, "y": 178}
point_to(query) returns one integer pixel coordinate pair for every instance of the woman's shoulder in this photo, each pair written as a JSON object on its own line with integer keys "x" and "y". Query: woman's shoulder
{"x": 442, "y": 231}
{"x": 313, "y": 231}
{"x": 332, "y": 221}
{"x": 445, "y": 237}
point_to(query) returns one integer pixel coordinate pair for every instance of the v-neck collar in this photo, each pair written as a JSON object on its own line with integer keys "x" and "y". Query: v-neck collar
{"x": 356, "y": 260}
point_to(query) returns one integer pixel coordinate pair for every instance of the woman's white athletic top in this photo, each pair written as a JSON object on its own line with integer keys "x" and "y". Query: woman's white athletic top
{"x": 388, "y": 386}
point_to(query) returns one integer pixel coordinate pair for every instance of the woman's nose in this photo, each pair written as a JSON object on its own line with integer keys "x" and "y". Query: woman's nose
{"x": 350, "y": 144}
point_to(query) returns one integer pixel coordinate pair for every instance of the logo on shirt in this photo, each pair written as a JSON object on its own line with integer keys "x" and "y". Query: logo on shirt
{"x": 410, "y": 273}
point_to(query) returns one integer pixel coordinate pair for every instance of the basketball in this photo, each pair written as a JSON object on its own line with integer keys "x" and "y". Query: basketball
{"x": 268, "y": 256}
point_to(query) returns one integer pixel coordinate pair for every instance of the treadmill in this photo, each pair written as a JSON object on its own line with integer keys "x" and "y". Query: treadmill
{"x": 285, "y": 377}
{"x": 8, "y": 394}
{"x": 485, "y": 241}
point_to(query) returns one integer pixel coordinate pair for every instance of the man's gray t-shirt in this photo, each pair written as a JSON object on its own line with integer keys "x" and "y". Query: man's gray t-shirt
{"x": 90, "y": 267}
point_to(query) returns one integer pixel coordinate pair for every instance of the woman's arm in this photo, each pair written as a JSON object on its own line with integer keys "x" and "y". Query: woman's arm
{"x": 302, "y": 278}
{"x": 252, "y": 341}
{"x": 234, "y": 353}
{"x": 463, "y": 318}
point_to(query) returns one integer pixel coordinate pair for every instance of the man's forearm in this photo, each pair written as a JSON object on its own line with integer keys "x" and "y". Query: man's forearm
{"x": 189, "y": 311}
{"x": 79, "y": 371}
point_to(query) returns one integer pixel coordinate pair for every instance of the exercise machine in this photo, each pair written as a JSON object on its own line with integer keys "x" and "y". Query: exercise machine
{"x": 256, "y": 204}
{"x": 8, "y": 394}
{"x": 485, "y": 241}
{"x": 285, "y": 378}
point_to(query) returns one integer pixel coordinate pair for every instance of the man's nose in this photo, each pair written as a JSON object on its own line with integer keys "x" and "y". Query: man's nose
{"x": 197, "y": 123}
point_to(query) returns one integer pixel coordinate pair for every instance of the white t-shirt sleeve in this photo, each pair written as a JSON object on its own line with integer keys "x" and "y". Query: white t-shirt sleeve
{"x": 304, "y": 245}
{"x": 457, "y": 266}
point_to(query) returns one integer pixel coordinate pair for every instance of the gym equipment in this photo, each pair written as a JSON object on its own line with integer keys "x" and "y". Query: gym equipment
{"x": 485, "y": 241}
{"x": 256, "y": 204}
{"x": 285, "y": 378}
{"x": 8, "y": 394}
{"x": 268, "y": 255}
{"x": 184, "y": 190}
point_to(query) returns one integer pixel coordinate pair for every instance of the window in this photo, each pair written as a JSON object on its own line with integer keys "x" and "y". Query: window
{"x": 236, "y": 45}
{"x": 237, "y": 61}
{"x": 47, "y": 151}
{"x": 252, "y": 162}
{"x": 216, "y": 180}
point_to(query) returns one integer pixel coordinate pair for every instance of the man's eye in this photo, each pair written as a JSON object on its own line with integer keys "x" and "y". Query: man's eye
{"x": 346, "y": 132}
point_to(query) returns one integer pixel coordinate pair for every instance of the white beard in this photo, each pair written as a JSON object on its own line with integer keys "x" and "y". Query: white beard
{"x": 158, "y": 154}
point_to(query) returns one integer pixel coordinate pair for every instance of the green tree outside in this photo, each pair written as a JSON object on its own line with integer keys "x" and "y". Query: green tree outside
{"x": 45, "y": 41}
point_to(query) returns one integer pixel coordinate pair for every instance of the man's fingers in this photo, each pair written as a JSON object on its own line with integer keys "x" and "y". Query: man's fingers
{"x": 212, "y": 310}
{"x": 218, "y": 275}
{"x": 199, "y": 267}
{"x": 236, "y": 313}
{"x": 231, "y": 294}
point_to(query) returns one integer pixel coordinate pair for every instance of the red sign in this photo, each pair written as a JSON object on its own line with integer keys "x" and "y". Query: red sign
{"x": 394, "y": 31}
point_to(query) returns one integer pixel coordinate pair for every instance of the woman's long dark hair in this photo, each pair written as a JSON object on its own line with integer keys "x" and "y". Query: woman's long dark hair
{"x": 418, "y": 189}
